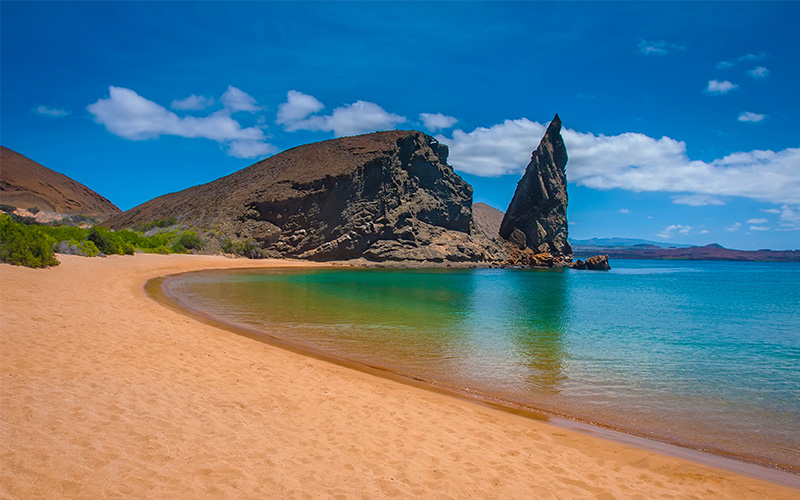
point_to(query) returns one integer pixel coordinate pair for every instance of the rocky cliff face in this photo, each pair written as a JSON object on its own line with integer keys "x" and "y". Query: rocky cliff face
{"x": 536, "y": 218}
{"x": 382, "y": 197}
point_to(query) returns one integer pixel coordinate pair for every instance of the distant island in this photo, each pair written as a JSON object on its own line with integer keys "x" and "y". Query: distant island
{"x": 707, "y": 252}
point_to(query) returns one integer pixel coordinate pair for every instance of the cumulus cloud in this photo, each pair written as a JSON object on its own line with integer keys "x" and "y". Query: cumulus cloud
{"x": 759, "y": 228}
{"x": 631, "y": 161}
{"x": 697, "y": 200}
{"x": 757, "y": 221}
{"x": 717, "y": 87}
{"x": 734, "y": 227}
{"x": 296, "y": 108}
{"x": 668, "y": 232}
{"x": 237, "y": 100}
{"x": 491, "y": 152}
{"x": 771, "y": 210}
{"x": 53, "y": 112}
{"x": 790, "y": 218}
{"x": 251, "y": 149}
{"x": 725, "y": 65}
{"x": 758, "y": 72}
{"x": 192, "y": 103}
{"x": 624, "y": 211}
{"x": 437, "y": 121}
{"x": 130, "y": 116}
{"x": 657, "y": 47}
{"x": 747, "y": 116}
{"x": 357, "y": 118}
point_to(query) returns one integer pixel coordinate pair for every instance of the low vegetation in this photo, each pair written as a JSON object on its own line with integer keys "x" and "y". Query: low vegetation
{"x": 244, "y": 248}
{"x": 25, "y": 243}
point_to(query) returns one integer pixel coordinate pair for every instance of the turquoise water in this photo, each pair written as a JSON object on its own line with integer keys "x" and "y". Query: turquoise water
{"x": 702, "y": 354}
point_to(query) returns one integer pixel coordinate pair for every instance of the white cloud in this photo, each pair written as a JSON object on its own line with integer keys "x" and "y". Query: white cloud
{"x": 630, "y": 161}
{"x": 747, "y": 116}
{"x": 251, "y": 149}
{"x": 296, "y": 108}
{"x": 668, "y": 231}
{"x": 236, "y": 100}
{"x": 757, "y": 221}
{"x": 491, "y": 152}
{"x": 130, "y": 116}
{"x": 771, "y": 210}
{"x": 437, "y": 121}
{"x": 720, "y": 87}
{"x": 758, "y": 72}
{"x": 725, "y": 65}
{"x": 752, "y": 57}
{"x": 704, "y": 231}
{"x": 696, "y": 200}
{"x": 790, "y": 218}
{"x": 193, "y": 103}
{"x": 624, "y": 211}
{"x": 357, "y": 118}
{"x": 54, "y": 112}
{"x": 759, "y": 228}
{"x": 657, "y": 47}
{"x": 734, "y": 227}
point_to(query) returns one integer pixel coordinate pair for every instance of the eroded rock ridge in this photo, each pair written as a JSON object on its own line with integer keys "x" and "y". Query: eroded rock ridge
{"x": 381, "y": 197}
{"x": 536, "y": 218}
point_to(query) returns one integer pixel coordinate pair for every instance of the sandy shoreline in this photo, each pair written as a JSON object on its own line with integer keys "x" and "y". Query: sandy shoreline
{"x": 105, "y": 393}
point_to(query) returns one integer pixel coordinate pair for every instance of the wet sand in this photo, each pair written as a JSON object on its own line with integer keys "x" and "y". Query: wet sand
{"x": 106, "y": 393}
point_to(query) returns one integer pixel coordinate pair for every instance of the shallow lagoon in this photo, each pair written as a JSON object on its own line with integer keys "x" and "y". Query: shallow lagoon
{"x": 702, "y": 354}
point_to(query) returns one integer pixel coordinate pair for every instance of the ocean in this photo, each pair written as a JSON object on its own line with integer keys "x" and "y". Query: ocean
{"x": 704, "y": 355}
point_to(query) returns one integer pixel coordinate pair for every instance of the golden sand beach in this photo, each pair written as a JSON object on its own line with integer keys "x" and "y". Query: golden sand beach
{"x": 108, "y": 394}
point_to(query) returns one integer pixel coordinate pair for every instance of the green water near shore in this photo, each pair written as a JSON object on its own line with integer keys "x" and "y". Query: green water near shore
{"x": 702, "y": 354}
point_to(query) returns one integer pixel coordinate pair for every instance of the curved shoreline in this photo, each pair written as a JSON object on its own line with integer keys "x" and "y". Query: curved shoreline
{"x": 106, "y": 393}
{"x": 751, "y": 466}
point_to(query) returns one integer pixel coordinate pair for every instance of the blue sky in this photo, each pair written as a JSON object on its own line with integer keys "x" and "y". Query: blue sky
{"x": 680, "y": 118}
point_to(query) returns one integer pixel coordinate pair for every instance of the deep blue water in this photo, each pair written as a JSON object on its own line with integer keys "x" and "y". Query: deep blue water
{"x": 704, "y": 354}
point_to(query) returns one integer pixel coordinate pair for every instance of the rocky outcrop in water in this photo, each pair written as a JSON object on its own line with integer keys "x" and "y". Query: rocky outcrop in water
{"x": 598, "y": 263}
{"x": 382, "y": 197}
{"x": 536, "y": 218}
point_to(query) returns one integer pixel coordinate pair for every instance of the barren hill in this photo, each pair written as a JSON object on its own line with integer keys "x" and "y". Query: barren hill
{"x": 487, "y": 219}
{"x": 25, "y": 183}
{"x": 386, "y": 196}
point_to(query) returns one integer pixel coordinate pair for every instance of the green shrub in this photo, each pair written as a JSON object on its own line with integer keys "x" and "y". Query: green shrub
{"x": 84, "y": 248}
{"x": 159, "y": 250}
{"x": 187, "y": 241}
{"x": 110, "y": 242}
{"x": 245, "y": 248}
{"x": 23, "y": 245}
{"x": 65, "y": 232}
{"x": 160, "y": 223}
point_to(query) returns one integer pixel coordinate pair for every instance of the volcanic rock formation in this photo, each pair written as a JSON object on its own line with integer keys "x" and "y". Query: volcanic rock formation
{"x": 26, "y": 184}
{"x": 536, "y": 218}
{"x": 381, "y": 197}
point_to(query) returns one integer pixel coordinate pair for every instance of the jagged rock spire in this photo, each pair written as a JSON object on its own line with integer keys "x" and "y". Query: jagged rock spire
{"x": 536, "y": 218}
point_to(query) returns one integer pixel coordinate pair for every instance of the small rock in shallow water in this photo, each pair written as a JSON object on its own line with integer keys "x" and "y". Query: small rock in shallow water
{"x": 598, "y": 263}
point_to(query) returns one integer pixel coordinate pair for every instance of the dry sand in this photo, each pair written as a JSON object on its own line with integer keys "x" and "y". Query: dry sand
{"x": 108, "y": 394}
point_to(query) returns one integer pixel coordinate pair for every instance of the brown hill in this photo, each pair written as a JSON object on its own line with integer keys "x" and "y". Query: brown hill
{"x": 384, "y": 197}
{"x": 25, "y": 184}
{"x": 487, "y": 219}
